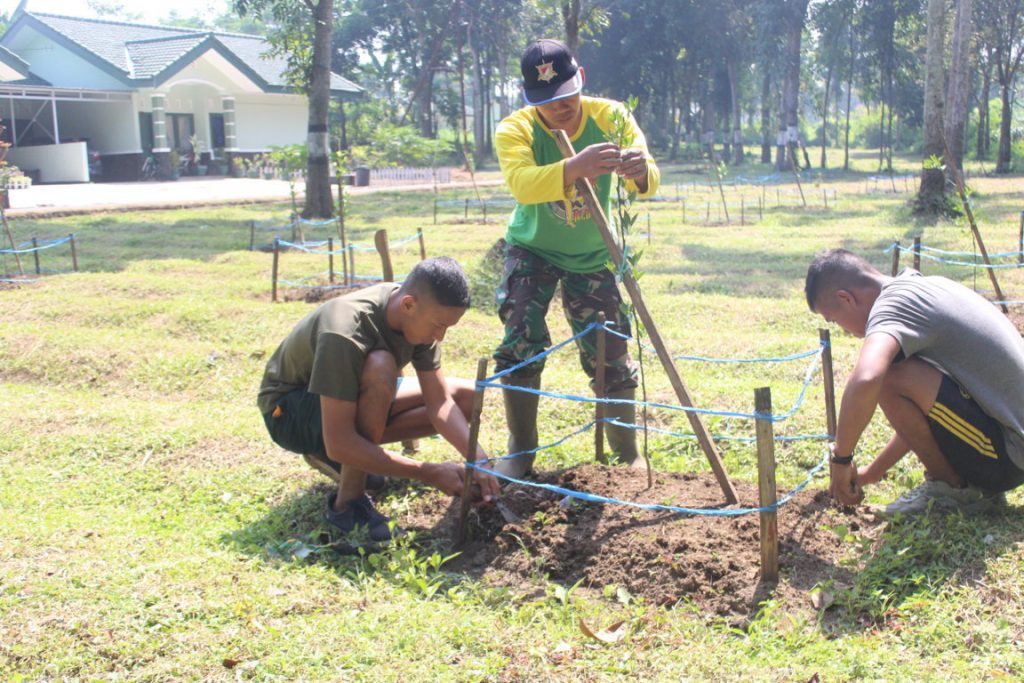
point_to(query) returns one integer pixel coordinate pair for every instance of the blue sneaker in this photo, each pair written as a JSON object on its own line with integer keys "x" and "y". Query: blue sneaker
{"x": 360, "y": 513}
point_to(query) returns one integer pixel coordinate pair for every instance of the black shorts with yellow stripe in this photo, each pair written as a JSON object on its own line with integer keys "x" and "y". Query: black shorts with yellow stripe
{"x": 971, "y": 440}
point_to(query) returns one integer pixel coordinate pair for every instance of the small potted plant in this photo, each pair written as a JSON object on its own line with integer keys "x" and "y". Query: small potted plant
{"x": 197, "y": 154}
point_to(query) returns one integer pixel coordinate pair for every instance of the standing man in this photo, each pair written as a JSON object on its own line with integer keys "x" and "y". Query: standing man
{"x": 552, "y": 239}
{"x": 947, "y": 370}
{"x": 332, "y": 391}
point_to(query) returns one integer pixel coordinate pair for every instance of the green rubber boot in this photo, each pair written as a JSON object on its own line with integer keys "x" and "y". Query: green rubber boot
{"x": 621, "y": 440}
{"x": 521, "y": 419}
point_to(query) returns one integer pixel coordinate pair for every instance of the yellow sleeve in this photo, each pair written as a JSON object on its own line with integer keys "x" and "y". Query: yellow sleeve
{"x": 528, "y": 182}
{"x": 602, "y": 113}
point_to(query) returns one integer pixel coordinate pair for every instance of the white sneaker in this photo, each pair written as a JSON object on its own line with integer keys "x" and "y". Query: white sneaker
{"x": 942, "y": 496}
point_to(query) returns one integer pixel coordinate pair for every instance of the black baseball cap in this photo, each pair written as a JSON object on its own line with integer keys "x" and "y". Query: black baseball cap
{"x": 550, "y": 72}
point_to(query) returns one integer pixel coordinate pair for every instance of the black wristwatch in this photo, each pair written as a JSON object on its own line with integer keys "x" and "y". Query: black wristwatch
{"x": 845, "y": 460}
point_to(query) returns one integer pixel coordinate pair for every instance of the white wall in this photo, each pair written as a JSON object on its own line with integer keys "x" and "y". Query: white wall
{"x": 277, "y": 120}
{"x": 65, "y": 163}
{"x": 111, "y": 127}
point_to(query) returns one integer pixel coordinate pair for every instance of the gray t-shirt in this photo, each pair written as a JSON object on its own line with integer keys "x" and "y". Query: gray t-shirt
{"x": 963, "y": 335}
{"x": 326, "y": 350}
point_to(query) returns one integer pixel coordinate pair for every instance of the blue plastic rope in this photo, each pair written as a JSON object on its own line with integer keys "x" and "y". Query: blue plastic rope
{"x": 27, "y": 248}
{"x": 954, "y": 262}
{"x": 592, "y": 498}
{"x": 715, "y": 437}
{"x": 703, "y": 359}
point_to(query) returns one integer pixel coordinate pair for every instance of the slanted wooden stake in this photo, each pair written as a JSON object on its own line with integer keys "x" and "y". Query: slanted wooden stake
{"x": 895, "y": 258}
{"x": 423, "y": 246}
{"x": 917, "y": 253}
{"x": 829, "y": 380}
{"x": 599, "y": 389}
{"x": 35, "y": 255}
{"x": 585, "y": 188}
{"x": 767, "y": 494}
{"x": 474, "y": 436}
{"x": 273, "y": 271}
{"x": 330, "y": 260}
{"x": 380, "y": 239}
{"x": 74, "y": 253}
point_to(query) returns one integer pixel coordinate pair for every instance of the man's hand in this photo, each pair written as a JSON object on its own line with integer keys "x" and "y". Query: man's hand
{"x": 843, "y": 485}
{"x": 633, "y": 165}
{"x": 593, "y": 161}
{"x": 449, "y": 477}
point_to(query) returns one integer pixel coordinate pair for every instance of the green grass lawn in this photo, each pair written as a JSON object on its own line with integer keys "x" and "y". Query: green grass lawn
{"x": 146, "y": 516}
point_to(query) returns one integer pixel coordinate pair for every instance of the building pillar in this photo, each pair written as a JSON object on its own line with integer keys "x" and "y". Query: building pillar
{"x": 161, "y": 151}
{"x": 230, "y": 139}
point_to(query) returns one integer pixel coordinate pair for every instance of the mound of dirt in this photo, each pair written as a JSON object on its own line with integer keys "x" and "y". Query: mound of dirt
{"x": 664, "y": 557}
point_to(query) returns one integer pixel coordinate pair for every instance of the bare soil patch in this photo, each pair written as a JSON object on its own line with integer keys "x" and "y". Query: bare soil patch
{"x": 664, "y": 557}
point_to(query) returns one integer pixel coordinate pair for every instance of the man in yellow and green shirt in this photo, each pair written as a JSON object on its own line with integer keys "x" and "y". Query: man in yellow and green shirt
{"x": 553, "y": 239}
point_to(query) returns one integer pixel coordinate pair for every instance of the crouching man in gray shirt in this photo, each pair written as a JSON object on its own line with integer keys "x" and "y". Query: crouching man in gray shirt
{"x": 946, "y": 368}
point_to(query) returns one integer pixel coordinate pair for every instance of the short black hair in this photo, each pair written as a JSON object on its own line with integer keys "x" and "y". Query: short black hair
{"x": 835, "y": 269}
{"x": 442, "y": 279}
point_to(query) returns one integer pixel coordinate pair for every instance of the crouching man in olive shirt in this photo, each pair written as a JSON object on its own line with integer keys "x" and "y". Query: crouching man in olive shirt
{"x": 332, "y": 391}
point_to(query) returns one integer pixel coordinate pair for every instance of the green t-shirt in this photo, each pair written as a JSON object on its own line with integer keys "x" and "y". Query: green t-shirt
{"x": 551, "y": 220}
{"x": 326, "y": 350}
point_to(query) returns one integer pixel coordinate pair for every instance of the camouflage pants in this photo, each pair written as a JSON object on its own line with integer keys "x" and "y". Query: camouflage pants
{"x": 524, "y": 294}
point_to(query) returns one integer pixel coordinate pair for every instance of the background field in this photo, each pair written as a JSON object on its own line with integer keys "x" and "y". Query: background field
{"x": 151, "y": 531}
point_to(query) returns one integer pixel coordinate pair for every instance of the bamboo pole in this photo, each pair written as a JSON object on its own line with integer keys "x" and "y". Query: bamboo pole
{"x": 74, "y": 253}
{"x": 828, "y": 378}
{"x": 895, "y": 258}
{"x": 599, "y": 389}
{"x": 917, "y": 253}
{"x": 474, "y": 436}
{"x": 273, "y": 271}
{"x": 767, "y": 493}
{"x": 423, "y": 246}
{"x": 330, "y": 260}
{"x": 380, "y": 239}
{"x": 633, "y": 288}
{"x": 958, "y": 180}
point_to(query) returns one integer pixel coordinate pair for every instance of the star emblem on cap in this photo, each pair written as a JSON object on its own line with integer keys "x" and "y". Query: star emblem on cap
{"x": 546, "y": 71}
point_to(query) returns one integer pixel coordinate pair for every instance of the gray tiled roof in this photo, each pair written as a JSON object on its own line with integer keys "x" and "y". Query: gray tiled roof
{"x": 143, "y": 51}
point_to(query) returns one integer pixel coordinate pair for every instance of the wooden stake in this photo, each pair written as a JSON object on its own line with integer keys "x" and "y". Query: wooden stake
{"x": 74, "y": 253}
{"x": 917, "y": 253}
{"x": 10, "y": 238}
{"x": 959, "y": 182}
{"x": 330, "y": 259}
{"x": 824, "y": 195}
{"x": 435, "y": 210}
{"x": 767, "y": 493}
{"x": 465, "y": 212}
{"x": 423, "y": 246}
{"x": 895, "y": 258}
{"x": 649, "y": 227}
{"x": 35, "y": 255}
{"x": 380, "y": 239}
{"x": 828, "y": 378}
{"x": 1020, "y": 242}
{"x": 743, "y": 212}
{"x": 682, "y": 393}
{"x": 799, "y": 186}
{"x": 341, "y": 230}
{"x": 273, "y": 272}
{"x": 599, "y": 389}
{"x": 683, "y": 206}
{"x": 352, "y": 266}
{"x": 252, "y": 235}
{"x": 474, "y": 436}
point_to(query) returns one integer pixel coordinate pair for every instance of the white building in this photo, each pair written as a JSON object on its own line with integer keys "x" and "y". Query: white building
{"x": 124, "y": 90}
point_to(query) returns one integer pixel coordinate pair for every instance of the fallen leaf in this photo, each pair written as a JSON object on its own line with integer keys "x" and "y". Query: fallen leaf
{"x": 230, "y": 663}
{"x": 610, "y": 635}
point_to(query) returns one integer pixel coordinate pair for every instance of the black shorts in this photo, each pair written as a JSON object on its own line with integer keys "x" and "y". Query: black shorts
{"x": 295, "y": 425}
{"x": 972, "y": 441}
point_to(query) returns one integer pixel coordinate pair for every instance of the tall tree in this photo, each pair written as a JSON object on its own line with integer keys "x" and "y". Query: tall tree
{"x": 1001, "y": 30}
{"x": 955, "y": 113}
{"x": 303, "y": 37}
{"x": 792, "y": 14}
{"x": 931, "y": 195}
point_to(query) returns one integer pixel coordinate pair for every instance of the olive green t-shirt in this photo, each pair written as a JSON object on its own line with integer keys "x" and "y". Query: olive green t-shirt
{"x": 326, "y": 350}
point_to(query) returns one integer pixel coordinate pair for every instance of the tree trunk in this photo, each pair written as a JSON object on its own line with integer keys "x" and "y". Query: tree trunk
{"x": 319, "y": 201}
{"x": 955, "y": 115}
{"x": 981, "y": 144}
{"x": 571, "y": 18}
{"x": 479, "y": 143}
{"x": 1004, "y": 160}
{"x": 824, "y": 118}
{"x": 737, "y": 126}
{"x": 766, "y": 117}
{"x": 849, "y": 95}
{"x": 793, "y": 15}
{"x": 931, "y": 195}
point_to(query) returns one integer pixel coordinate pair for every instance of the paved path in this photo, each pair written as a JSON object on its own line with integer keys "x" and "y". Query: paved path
{"x": 78, "y": 198}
